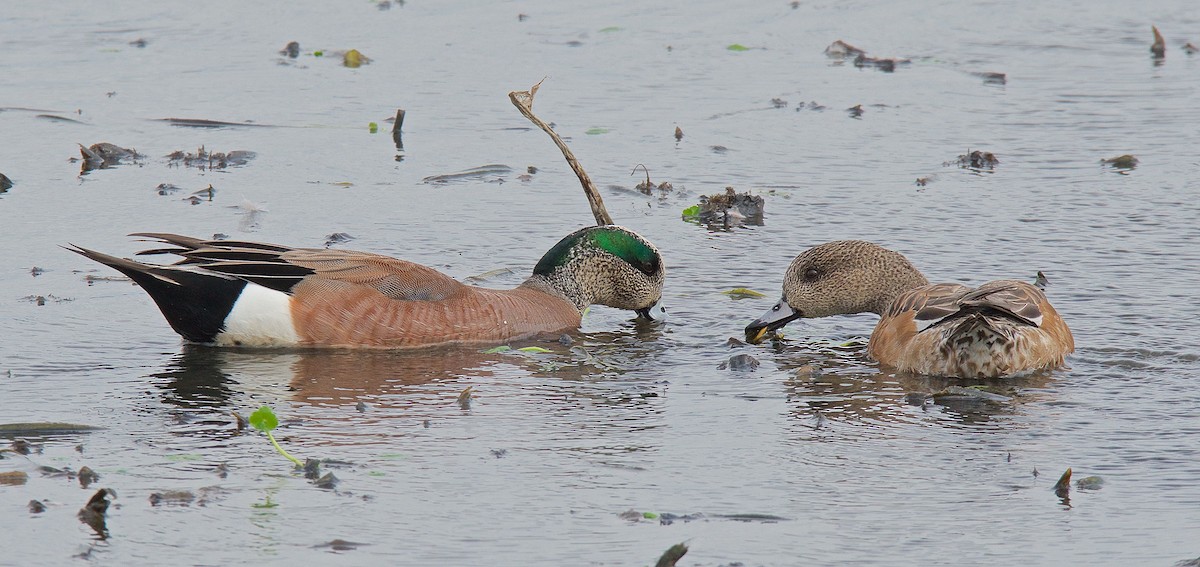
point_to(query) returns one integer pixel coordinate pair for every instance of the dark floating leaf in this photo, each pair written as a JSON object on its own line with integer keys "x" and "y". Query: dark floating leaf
{"x": 728, "y": 210}
{"x": 203, "y": 123}
{"x": 93, "y": 513}
{"x": 842, "y": 50}
{"x": 172, "y": 498}
{"x": 5, "y": 183}
{"x": 1040, "y": 280}
{"x": 1063, "y": 487}
{"x": 739, "y": 363}
{"x": 105, "y": 155}
{"x": 205, "y": 160}
{"x": 1126, "y": 161}
{"x": 337, "y": 238}
{"x": 887, "y": 65}
{"x": 328, "y": 481}
{"x": 292, "y": 49}
{"x": 678, "y": 134}
{"x": 978, "y": 160}
{"x": 855, "y": 111}
{"x": 339, "y": 545}
{"x": 1159, "y": 47}
{"x": 992, "y": 78}
{"x": 464, "y": 398}
{"x": 672, "y": 555}
{"x": 138, "y": 43}
{"x": 36, "y": 507}
{"x": 87, "y": 476}
{"x": 1090, "y": 483}
{"x": 483, "y": 171}
{"x": 45, "y": 428}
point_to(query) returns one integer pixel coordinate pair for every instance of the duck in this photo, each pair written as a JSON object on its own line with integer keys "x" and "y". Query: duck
{"x": 1001, "y": 328}
{"x": 255, "y": 294}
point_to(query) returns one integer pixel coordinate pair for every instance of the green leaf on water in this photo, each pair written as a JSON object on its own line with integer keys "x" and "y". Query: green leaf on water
{"x": 184, "y": 457}
{"x": 737, "y": 47}
{"x": 373, "y": 127}
{"x": 534, "y": 349}
{"x": 376, "y": 473}
{"x": 494, "y": 350}
{"x": 742, "y": 293}
{"x": 596, "y": 131}
{"x": 691, "y": 212}
{"x": 263, "y": 419}
{"x": 610, "y": 29}
{"x": 649, "y": 515}
{"x": 318, "y": 53}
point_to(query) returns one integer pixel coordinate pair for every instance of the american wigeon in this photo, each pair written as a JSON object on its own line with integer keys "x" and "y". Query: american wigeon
{"x": 256, "y": 294}
{"x": 997, "y": 329}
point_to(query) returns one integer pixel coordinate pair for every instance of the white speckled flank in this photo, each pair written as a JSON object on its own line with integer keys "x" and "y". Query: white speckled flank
{"x": 260, "y": 317}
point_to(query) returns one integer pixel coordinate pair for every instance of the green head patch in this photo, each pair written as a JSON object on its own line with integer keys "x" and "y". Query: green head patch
{"x": 619, "y": 242}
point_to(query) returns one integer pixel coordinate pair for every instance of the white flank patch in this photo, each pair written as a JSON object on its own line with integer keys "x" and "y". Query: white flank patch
{"x": 260, "y": 317}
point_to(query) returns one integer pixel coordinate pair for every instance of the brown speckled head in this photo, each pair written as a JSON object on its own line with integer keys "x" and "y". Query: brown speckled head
{"x": 605, "y": 265}
{"x": 847, "y": 276}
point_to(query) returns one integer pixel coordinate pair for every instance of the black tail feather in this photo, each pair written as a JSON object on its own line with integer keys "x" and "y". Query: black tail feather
{"x": 194, "y": 302}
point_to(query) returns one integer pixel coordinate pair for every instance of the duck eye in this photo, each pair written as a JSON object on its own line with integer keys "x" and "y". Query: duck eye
{"x": 811, "y": 274}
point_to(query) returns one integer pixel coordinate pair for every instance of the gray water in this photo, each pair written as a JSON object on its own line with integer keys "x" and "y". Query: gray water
{"x": 839, "y": 467}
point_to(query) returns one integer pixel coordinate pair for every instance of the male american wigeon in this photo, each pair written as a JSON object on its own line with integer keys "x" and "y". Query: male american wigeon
{"x": 256, "y": 294}
{"x": 997, "y": 329}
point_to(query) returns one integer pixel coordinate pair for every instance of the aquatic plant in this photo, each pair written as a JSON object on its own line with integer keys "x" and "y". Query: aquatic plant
{"x": 264, "y": 420}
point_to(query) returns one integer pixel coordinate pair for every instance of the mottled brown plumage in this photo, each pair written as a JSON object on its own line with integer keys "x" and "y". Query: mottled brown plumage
{"x": 997, "y": 329}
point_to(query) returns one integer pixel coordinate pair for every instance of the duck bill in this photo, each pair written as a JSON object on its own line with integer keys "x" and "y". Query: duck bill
{"x": 775, "y": 318}
{"x": 655, "y": 312}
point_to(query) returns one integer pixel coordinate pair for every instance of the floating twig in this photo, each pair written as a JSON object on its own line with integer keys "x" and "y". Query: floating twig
{"x": 523, "y": 100}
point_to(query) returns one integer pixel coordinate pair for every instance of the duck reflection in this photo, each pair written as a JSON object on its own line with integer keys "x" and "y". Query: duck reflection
{"x": 842, "y": 383}
{"x": 212, "y": 378}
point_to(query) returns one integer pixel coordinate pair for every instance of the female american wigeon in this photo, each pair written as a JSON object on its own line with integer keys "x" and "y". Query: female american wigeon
{"x": 997, "y": 329}
{"x": 256, "y": 294}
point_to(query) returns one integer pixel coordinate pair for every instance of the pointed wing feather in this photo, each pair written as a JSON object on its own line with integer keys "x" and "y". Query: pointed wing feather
{"x": 395, "y": 278}
{"x": 1017, "y": 298}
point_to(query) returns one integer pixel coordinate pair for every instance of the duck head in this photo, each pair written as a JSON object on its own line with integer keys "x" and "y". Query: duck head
{"x": 606, "y": 265}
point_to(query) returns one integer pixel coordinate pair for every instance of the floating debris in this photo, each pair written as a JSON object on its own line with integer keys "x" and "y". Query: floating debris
{"x": 139, "y": 43}
{"x": 93, "y": 513}
{"x": 36, "y": 507}
{"x": 739, "y": 363}
{"x": 337, "y": 238}
{"x": 842, "y": 50}
{"x": 923, "y": 181}
{"x": 1090, "y": 483}
{"x": 1040, "y": 280}
{"x": 41, "y": 300}
{"x": 205, "y": 160}
{"x": 778, "y": 103}
{"x": 327, "y": 481}
{"x": 1063, "y": 487}
{"x": 172, "y": 498}
{"x": 36, "y": 271}
{"x": 957, "y": 395}
{"x": 978, "y": 160}
{"x": 672, "y": 555}
{"x": 87, "y": 476}
{"x": 361, "y": 406}
{"x": 292, "y": 49}
{"x": 992, "y": 78}
{"x": 647, "y": 186}
{"x": 1159, "y": 47}
{"x": 339, "y": 545}
{"x": 13, "y": 478}
{"x": 727, "y": 210}
{"x": 354, "y": 59}
{"x": 887, "y": 65}
{"x": 202, "y": 123}
{"x": 481, "y": 172}
{"x": 464, "y": 398}
{"x": 45, "y": 428}
{"x": 1190, "y": 48}
{"x": 165, "y": 189}
{"x": 57, "y": 118}
{"x": 679, "y": 133}
{"x": 105, "y": 155}
{"x": 742, "y": 293}
{"x": 855, "y": 111}
{"x": 5, "y": 183}
{"x": 1126, "y": 161}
